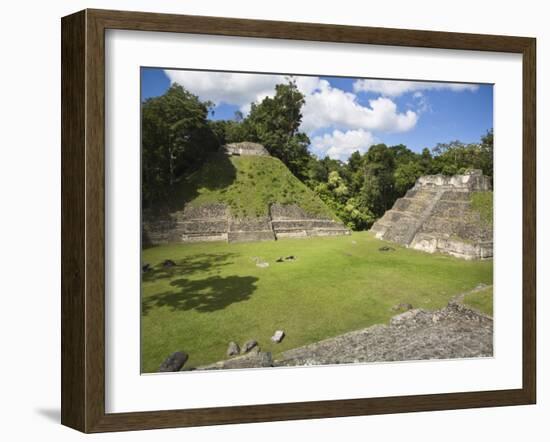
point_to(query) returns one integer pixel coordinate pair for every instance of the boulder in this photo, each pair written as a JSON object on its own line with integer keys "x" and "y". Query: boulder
{"x": 146, "y": 267}
{"x": 233, "y": 349}
{"x": 278, "y": 336}
{"x": 249, "y": 345}
{"x": 168, "y": 263}
{"x": 174, "y": 362}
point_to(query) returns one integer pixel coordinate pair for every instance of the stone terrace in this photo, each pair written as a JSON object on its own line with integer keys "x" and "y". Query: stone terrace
{"x": 213, "y": 222}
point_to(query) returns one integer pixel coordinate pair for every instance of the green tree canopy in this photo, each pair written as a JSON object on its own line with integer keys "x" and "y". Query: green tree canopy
{"x": 176, "y": 138}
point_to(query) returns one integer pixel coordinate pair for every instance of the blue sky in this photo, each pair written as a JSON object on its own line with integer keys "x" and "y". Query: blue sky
{"x": 342, "y": 115}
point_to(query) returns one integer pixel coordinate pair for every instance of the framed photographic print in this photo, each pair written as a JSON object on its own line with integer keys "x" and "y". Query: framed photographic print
{"x": 269, "y": 220}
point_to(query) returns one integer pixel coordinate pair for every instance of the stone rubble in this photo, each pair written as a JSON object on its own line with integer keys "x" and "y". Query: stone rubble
{"x": 233, "y": 349}
{"x": 278, "y": 336}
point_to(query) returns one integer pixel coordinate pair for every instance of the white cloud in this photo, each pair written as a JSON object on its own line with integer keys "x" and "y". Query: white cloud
{"x": 239, "y": 89}
{"x": 229, "y": 88}
{"x": 394, "y": 88}
{"x": 330, "y": 106}
{"x": 340, "y": 145}
{"x": 326, "y": 106}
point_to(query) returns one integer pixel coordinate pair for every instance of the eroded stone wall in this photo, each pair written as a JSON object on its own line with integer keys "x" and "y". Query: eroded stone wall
{"x": 290, "y": 221}
{"x": 213, "y": 222}
{"x": 436, "y": 215}
{"x": 246, "y": 148}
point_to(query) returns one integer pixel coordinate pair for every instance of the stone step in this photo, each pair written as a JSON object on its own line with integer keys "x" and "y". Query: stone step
{"x": 261, "y": 235}
{"x": 201, "y": 237}
{"x": 202, "y": 226}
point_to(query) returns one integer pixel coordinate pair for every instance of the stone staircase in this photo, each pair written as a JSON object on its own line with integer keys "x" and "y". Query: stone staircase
{"x": 401, "y": 223}
{"x": 436, "y": 215}
{"x": 290, "y": 221}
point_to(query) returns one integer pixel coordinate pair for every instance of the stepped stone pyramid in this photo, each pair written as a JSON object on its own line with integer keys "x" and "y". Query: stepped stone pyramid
{"x": 214, "y": 221}
{"x": 436, "y": 215}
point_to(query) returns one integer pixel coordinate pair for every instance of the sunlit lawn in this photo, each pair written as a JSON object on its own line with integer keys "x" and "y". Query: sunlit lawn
{"x": 217, "y": 294}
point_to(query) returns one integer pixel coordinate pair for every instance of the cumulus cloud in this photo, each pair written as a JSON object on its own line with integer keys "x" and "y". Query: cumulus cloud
{"x": 395, "y": 88}
{"x": 334, "y": 107}
{"x": 325, "y": 105}
{"x": 340, "y": 145}
{"x": 238, "y": 89}
{"x": 224, "y": 87}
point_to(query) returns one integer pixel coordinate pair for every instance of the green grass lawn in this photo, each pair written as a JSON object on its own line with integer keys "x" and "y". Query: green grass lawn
{"x": 481, "y": 300}
{"x": 217, "y": 294}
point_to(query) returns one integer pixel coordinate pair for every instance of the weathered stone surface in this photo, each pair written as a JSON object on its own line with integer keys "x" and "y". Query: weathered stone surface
{"x": 174, "y": 362}
{"x": 233, "y": 349}
{"x": 249, "y": 360}
{"x": 213, "y": 222}
{"x": 278, "y": 336}
{"x": 246, "y": 148}
{"x": 452, "y": 332}
{"x": 249, "y": 345}
{"x": 436, "y": 216}
{"x": 260, "y": 262}
{"x": 403, "y": 307}
{"x": 291, "y": 221}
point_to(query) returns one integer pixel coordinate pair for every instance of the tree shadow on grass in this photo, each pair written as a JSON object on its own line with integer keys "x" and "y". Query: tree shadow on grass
{"x": 203, "y": 295}
{"x": 187, "y": 266}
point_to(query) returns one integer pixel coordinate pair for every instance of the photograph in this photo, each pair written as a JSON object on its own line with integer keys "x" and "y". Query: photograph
{"x": 301, "y": 220}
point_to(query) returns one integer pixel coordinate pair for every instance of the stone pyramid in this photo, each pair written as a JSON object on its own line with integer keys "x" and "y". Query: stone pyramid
{"x": 215, "y": 221}
{"x": 437, "y": 215}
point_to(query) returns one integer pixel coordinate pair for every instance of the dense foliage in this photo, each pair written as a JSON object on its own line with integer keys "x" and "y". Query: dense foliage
{"x": 178, "y": 137}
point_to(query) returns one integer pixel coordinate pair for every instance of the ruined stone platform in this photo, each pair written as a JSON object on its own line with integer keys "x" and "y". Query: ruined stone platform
{"x": 213, "y": 222}
{"x": 436, "y": 216}
{"x": 453, "y": 332}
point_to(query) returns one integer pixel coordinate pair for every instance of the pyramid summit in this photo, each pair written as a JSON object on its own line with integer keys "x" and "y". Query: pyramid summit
{"x": 241, "y": 194}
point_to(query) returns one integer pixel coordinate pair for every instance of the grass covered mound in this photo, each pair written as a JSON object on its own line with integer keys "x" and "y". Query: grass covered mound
{"x": 248, "y": 185}
{"x": 217, "y": 293}
{"x": 481, "y": 300}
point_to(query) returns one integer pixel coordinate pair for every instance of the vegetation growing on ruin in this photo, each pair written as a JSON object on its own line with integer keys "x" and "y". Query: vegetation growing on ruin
{"x": 481, "y": 300}
{"x": 178, "y": 137}
{"x": 482, "y": 203}
{"x": 216, "y": 293}
{"x": 250, "y": 185}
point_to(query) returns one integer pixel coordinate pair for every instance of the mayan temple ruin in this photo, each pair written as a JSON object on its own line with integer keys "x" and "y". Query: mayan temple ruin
{"x": 214, "y": 221}
{"x": 438, "y": 215}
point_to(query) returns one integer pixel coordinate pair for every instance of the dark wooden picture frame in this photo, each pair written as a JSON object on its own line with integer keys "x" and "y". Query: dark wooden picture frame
{"x": 83, "y": 220}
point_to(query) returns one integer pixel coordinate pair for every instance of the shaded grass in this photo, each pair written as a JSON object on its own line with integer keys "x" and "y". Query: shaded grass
{"x": 217, "y": 294}
{"x": 481, "y": 300}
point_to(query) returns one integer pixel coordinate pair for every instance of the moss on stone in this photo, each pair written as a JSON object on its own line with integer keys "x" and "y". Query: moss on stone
{"x": 482, "y": 202}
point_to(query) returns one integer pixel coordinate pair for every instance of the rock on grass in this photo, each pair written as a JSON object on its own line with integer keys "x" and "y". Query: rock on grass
{"x": 174, "y": 362}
